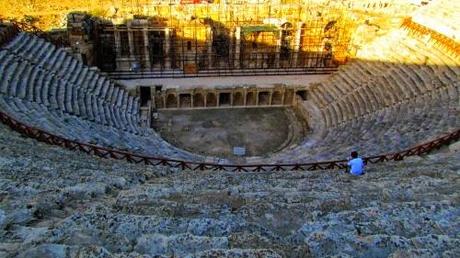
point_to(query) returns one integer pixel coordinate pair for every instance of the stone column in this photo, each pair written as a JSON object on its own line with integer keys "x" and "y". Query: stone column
{"x": 116, "y": 35}
{"x": 283, "y": 93}
{"x": 209, "y": 41}
{"x": 296, "y": 47}
{"x": 131, "y": 58}
{"x": 146, "y": 48}
{"x": 270, "y": 98}
{"x": 152, "y": 96}
{"x": 232, "y": 42}
{"x": 192, "y": 104}
{"x": 167, "y": 45}
{"x": 278, "y": 49}
{"x": 236, "y": 63}
{"x": 131, "y": 43}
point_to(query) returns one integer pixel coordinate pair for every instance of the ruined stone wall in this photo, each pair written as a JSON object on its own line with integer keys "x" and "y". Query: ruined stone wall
{"x": 231, "y": 97}
{"x": 242, "y": 35}
{"x": 154, "y": 44}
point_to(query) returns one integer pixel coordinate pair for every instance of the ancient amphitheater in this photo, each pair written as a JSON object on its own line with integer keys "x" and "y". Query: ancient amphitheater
{"x": 118, "y": 142}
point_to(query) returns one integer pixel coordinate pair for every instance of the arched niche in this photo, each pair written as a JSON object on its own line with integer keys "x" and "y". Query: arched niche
{"x": 211, "y": 100}
{"x": 238, "y": 99}
{"x": 198, "y": 100}
{"x": 171, "y": 101}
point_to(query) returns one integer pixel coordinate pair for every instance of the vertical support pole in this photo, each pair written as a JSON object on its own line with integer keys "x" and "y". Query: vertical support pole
{"x": 131, "y": 42}
{"x": 152, "y": 96}
{"x": 184, "y": 54}
{"x": 167, "y": 45}
{"x": 278, "y": 49}
{"x": 296, "y": 47}
{"x": 283, "y": 93}
{"x": 230, "y": 49}
{"x": 237, "y": 47}
{"x": 131, "y": 45}
{"x": 116, "y": 34}
{"x": 209, "y": 50}
{"x": 146, "y": 48}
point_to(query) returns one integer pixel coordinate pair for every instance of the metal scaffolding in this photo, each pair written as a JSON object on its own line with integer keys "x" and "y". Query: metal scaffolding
{"x": 212, "y": 38}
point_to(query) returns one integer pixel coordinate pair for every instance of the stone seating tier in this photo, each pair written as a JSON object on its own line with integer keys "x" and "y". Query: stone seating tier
{"x": 74, "y": 128}
{"x": 57, "y": 93}
{"x": 399, "y": 91}
{"x": 57, "y": 61}
{"x": 63, "y": 203}
{"x": 384, "y": 82}
{"x": 45, "y": 87}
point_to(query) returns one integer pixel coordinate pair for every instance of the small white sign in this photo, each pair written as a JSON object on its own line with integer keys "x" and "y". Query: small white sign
{"x": 239, "y": 151}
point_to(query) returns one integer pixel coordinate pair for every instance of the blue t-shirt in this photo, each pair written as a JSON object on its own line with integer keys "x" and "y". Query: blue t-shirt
{"x": 357, "y": 166}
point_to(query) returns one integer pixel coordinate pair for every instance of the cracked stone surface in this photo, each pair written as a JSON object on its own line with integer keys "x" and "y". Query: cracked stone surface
{"x": 59, "y": 203}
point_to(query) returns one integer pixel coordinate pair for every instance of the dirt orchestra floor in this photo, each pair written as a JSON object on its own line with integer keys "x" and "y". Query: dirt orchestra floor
{"x": 214, "y": 132}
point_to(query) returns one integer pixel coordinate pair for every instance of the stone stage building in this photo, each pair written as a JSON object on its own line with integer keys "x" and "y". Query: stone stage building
{"x": 193, "y": 39}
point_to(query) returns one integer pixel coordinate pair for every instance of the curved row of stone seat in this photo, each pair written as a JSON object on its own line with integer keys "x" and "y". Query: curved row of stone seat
{"x": 71, "y": 127}
{"x": 90, "y": 207}
{"x": 391, "y": 129}
{"x": 28, "y": 81}
{"x": 69, "y": 69}
{"x": 45, "y": 87}
{"x": 400, "y": 91}
{"x": 365, "y": 86}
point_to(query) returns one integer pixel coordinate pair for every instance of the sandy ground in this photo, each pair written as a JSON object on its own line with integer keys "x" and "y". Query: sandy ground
{"x": 213, "y": 82}
{"x": 216, "y": 132}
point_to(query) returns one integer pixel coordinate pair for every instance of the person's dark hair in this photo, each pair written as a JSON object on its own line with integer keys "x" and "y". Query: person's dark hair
{"x": 354, "y": 154}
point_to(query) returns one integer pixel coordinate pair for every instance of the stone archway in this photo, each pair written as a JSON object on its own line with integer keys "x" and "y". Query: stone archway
{"x": 251, "y": 99}
{"x": 264, "y": 98}
{"x": 211, "y": 100}
{"x": 185, "y": 100}
{"x": 238, "y": 99}
{"x": 302, "y": 94}
{"x": 224, "y": 99}
{"x": 171, "y": 101}
{"x": 198, "y": 100}
{"x": 277, "y": 98}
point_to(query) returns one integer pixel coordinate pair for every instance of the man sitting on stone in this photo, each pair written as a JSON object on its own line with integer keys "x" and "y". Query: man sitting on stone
{"x": 356, "y": 164}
